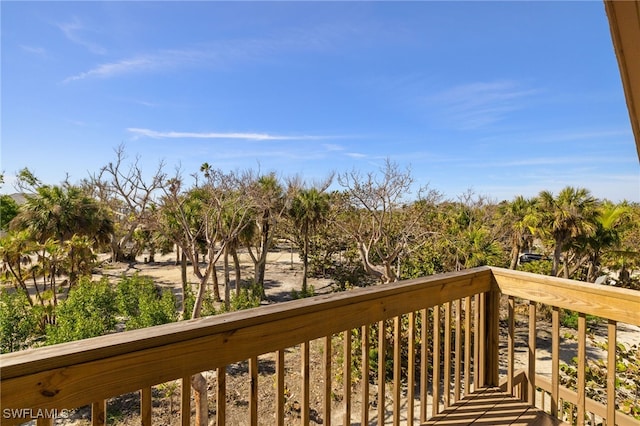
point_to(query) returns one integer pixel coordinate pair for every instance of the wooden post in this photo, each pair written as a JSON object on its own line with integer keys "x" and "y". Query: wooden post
{"x": 280, "y": 389}
{"x": 99, "y": 413}
{"x": 327, "y": 380}
{"x": 365, "y": 375}
{"x": 145, "y": 406}
{"x": 492, "y": 316}
{"x": 347, "y": 377}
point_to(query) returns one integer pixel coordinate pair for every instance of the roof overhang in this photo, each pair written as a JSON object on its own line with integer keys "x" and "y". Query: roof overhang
{"x": 624, "y": 22}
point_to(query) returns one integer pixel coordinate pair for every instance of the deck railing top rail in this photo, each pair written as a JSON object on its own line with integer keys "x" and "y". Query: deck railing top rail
{"x": 608, "y": 302}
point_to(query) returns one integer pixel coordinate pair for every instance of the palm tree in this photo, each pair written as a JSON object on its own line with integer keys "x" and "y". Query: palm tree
{"x": 569, "y": 215}
{"x": 309, "y": 208}
{"x": 609, "y": 225}
{"x": 518, "y": 216}
{"x": 59, "y": 212}
{"x": 269, "y": 203}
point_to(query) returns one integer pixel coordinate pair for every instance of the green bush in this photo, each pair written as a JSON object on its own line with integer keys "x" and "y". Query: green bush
{"x": 89, "y": 310}
{"x": 142, "y": 304}
{"x": 302, "y": 294}
{"x": 208, "y": 303}
{"x": 18, "y": 321}
{"x": 248, "y": 298}
{"x": 570, "y": 319}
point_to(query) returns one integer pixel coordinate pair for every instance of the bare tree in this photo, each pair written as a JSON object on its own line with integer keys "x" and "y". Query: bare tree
{"x": 385, "y": 225}
{"x": 129, "y": 195}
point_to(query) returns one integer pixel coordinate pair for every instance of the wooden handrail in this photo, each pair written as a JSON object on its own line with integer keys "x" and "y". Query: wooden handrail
{"x": 608, "y": 302}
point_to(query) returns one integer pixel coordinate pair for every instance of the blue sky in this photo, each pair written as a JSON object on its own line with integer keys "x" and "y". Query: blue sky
{"x": 504, "y": 98}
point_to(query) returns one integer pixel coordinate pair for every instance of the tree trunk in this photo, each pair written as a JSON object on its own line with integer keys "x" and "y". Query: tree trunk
{"x": 515, "y": 252}
{"x": 198, "y": 381}
{"x": 305, "y": 263}
{"x": 236, "y": 266}
{"x": 557, "y": 252}
{"x": 262, "y": 263}
{"x": 227, "y": 290}
{"x": 199, "y": 385}
{"x": 214, "y": 283}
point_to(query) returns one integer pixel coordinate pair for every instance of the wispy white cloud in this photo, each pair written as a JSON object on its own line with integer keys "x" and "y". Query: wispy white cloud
{"x": 218, "y": 135}
{"x": 115, "y": 68}
{"x": 476, "y": 105}
{"x": 73, "y": 31}
{"x": 213, "y": 54}
{"x": 40, "y": 51}
{"x": 356, "y": 155}
{"x": 333, "y": 147}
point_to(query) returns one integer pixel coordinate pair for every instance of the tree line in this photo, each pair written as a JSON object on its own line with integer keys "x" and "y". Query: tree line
{"x": 359, "y": 228}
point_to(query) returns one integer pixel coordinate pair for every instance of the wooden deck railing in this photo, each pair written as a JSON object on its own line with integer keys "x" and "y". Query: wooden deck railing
{"x": 441, "y": 332}
{"x": 609, "y": 304}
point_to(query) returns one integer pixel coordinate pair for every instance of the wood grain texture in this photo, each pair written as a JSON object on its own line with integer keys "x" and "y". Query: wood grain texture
{"x": 608, "y": 302}
{"x": 491, "y": 406}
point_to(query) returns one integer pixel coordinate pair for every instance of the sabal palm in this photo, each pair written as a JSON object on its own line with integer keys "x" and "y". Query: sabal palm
{"x": 60, "y": 212}
{"x": 518, "y": 215}
{"x": 571, "y": 214}
{"x": 609, "y": 225}
{"x": 309, "y": 208}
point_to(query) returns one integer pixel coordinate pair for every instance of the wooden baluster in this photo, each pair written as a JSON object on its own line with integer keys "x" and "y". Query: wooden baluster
{"x": 221, "y": 395}
{"x": 531, "y": 392}
{"x": 99, "y": 413}
{"x": 253, "y": 393}
{"x": 365, "y": 376}
{"x": 280, "y": 389}
{"x": 424, "y": 364}
{"x": 145, "y": 406}
{"x": 458, "y": 349}
{"x": 435, "y": 407}
{"x": 467, "y": 345}
{"x": 411, "y": 366}
{"x": 304, "y": 409}
{"x": 397, "y": 369}
{"x": 327, "y": 380}
{"x": 44, "y": 421}
{"x": 555, "y": 361}
{"x": 381, "y": 372}
{"x": 447, "y": 355}
{"x": 347, "y": 377}
{"x": 476, "y": 342}
{"x": 611, "y": 372}
{"x": 582, "y": 366}
{"x": 510, "y": 345}
{"x": 492, "y": 321}
{"x": 185, "y": 401}
{"x": 482, "y": 370}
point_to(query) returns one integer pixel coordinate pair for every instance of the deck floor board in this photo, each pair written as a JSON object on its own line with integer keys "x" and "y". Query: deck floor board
{"x": 491, "y": 406}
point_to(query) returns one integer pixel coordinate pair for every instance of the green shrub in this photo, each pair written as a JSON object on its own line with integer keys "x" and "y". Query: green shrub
{"x": 570, "y": 319}
{"x": 142, "y": 304}
{"x": 18, "y": 321}
{"x": 248, "y": 298}
{"x": 309, "y": 292}
{"x": 89, "y": 310}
